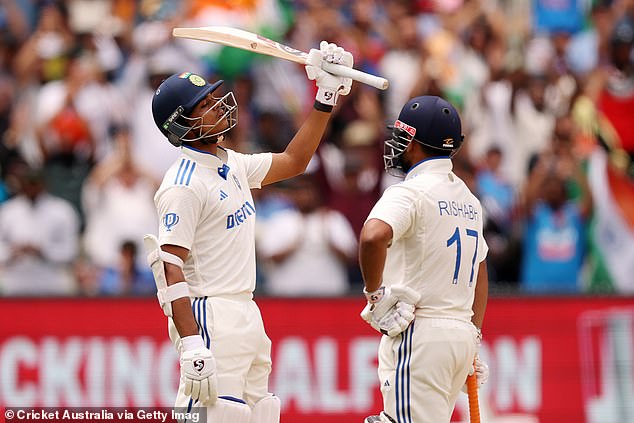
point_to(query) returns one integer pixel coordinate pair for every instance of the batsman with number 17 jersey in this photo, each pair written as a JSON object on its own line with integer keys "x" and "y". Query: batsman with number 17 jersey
{"x": 422, "y": 255}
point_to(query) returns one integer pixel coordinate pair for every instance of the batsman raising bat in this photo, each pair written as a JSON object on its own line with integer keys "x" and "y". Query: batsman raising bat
{"x": 204, "y": 257}
{"x": 423, "y": 259}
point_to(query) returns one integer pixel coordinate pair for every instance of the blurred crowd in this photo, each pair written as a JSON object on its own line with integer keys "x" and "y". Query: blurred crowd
{"x": 545, "y": 89}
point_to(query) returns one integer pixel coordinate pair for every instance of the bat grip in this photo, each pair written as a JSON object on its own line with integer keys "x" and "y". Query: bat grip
{"x": 356, "y": 75}
{"x": 472, "y": 391}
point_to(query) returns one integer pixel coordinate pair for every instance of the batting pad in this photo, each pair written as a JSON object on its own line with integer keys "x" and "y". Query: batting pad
{"x": 229, "y": 411}
{"x": 267, "y": 410}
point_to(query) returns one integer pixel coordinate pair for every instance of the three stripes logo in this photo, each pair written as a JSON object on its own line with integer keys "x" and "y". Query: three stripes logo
{"x": 185, "y": 171}
{"x": 223, "y": 195}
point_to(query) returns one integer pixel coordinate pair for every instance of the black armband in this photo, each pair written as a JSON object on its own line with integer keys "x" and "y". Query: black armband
{"x": 322, "y": 107}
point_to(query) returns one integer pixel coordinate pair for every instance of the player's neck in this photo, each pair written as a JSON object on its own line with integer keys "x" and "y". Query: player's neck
{"x": 207, "y": 147}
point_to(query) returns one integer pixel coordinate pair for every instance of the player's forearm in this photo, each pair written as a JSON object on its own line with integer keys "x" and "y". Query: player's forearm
{"x": 481, "y": 295}
{"x": 183, "y": 316}
{"x": 373, "y": 243}
{"x": 307, "y": 139}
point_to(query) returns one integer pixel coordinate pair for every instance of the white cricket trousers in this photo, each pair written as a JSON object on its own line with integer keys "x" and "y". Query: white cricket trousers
{"x": 232, "y": 329}
{"x": 422, "y": 370}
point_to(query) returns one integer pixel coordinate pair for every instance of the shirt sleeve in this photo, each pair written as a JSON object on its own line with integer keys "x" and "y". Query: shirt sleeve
{"x": 179, "y": 209}
{"x": 256, "y": 167}
{"x": 397, "y": 208}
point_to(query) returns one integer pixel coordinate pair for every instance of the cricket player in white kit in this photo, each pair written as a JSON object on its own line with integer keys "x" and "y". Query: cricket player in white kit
{"x": 422, "y": 256}
{"x": 204, "y": 257}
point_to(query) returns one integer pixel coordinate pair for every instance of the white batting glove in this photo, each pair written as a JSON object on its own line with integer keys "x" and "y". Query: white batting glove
{"x": 390, "y": 310}
{"x": 479, "y": 367}
{"x": 481, "y": 370}
{"x": 329, "y": 86}
{"x": 198, "y": 370}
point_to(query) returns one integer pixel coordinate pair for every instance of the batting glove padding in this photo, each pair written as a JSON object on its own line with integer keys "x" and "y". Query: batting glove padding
{"x": 329, "y": 86}
{"x": 481, "y": 370}
{"x": 198, "y": 370}
{"x": 390, "y": 310}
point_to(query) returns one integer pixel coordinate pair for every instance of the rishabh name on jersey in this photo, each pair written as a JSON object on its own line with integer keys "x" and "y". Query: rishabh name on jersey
{"x": 205, "y": 205}
{"x": 432, "y": 212}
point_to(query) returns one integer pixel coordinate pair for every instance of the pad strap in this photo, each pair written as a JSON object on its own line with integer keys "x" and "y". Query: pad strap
{"x": 171, "y": 293}
{"x": 159, "y": 254}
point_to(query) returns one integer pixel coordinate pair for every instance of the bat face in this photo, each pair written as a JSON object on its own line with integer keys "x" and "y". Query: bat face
{"x": 245, "y": 40}
{"x": 281, "y": 47}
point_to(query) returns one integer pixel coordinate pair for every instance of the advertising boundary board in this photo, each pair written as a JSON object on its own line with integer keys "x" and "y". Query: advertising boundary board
{"x": 555, "y": 359}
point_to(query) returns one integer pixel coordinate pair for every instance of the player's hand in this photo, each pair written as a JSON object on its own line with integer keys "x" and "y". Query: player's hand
{"x": 395, "y": 321}
{"x": 390, "y": 310}
{"x": 479, "y": 367}
{"x": 481, "y": 370}
{"x": 198, "y": 370}
{"x": 329, "y": 86}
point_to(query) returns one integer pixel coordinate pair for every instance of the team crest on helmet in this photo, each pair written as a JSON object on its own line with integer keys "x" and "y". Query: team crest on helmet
{"x": 197, "y": 80}
{"x": 405, "y": 127}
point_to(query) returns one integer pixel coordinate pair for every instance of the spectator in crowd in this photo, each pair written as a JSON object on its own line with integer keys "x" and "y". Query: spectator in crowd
{"x": 118, "y": 202}
{"x": 126, "y": 276}
{"x": 307, "y": 249}
{"x": 554, "y": 232}
{"x": 498, "y": 200}
{"x": 353, "y": 172}
{"x": 67, "y": 144}
{"x": 39, "y": 240}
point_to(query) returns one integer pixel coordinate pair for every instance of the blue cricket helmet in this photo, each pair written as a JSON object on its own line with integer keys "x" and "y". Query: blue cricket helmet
{"x": 174, "y": 100}
{"x": 429, "y": 120}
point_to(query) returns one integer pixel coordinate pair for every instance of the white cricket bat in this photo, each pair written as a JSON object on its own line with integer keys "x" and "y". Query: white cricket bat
{"x": 245, "y": 40}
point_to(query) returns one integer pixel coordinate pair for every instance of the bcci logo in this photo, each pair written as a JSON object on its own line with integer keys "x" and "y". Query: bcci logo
{"x": 170, "y": 220}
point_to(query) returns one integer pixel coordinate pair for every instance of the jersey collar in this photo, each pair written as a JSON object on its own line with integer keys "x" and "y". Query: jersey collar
{"x": 206, "y": 159}
{"x": 430, "y": 165}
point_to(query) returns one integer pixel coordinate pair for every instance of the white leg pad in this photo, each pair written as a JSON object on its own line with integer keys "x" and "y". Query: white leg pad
{"x": 228, "y": 411}
{"x": 267, "y": 410}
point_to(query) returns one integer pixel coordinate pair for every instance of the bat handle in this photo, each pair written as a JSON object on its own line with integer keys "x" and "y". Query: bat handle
{"x": 472, "y": 391}
{"x": 356, "y": 75}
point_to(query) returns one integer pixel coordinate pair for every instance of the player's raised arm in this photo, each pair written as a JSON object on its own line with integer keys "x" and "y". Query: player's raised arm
{"x": 294, "y": 159}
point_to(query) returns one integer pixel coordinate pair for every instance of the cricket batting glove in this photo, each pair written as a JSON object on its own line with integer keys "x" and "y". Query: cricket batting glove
{"x": 198, "y": 370}
{"x": 480, "y": 368}
{"x": 329, "y": 86}
{"x": 390, "y": 310}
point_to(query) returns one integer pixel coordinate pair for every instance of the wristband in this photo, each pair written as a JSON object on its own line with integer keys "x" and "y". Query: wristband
{"x": 374, "y": 296}
{"x": 193, "y": 342}
{"x": 319, "y": 106}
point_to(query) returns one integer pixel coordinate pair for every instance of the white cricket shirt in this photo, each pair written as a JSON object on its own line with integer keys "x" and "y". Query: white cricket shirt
{"x": 204, "y": 204}
{"x": 437, "y": 243}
